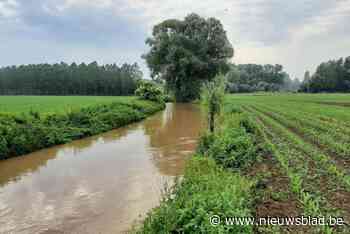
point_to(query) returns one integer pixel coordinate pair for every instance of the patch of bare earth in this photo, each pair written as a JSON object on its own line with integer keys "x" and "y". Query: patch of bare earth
{"x": 271, "y": 182}
{"x": 332, "y": 191}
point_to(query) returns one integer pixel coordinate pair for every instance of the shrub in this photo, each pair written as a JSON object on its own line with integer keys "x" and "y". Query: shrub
{"x": 148, "y": 90}
{"x": 212, "y": 99}
{"x": 205, "y": 190}
{"x": 232, "y": 146}
{"x": 168, "y": 98}
{"x": 205, "y": 143}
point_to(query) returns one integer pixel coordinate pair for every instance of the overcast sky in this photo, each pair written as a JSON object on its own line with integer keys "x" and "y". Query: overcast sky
{"x": 298, "y": 34}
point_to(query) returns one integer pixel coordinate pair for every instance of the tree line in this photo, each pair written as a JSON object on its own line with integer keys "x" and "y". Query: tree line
{"x": 243, "y": 78}
{"x": 331, "y": 76}
{"x": 73, "y": 79}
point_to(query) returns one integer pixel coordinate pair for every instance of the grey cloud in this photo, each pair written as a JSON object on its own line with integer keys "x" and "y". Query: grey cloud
{"x": 268, "y": 22}
{"x": 263, "y": 31}
{"x": 79, "y": 24}
{"x": 41, "y": 32}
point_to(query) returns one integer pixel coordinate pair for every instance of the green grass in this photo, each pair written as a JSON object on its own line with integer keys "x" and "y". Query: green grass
{"x": 33, "y": 123}
{"x": 53, "y": 104}
{"x": 293, "y": 151}
{"x": 209, "y": 187}
{"x": 206, "y": 190}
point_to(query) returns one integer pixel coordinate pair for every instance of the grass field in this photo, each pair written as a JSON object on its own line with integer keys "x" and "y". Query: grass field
{"x": 293, "y": 148}
{"x": 29, "y": 123}
{"x": 53, "y": 104}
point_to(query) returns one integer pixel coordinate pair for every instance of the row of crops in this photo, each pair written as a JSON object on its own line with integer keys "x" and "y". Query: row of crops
{"x": 310, "y": 143}
{"x": 291, "y": 152}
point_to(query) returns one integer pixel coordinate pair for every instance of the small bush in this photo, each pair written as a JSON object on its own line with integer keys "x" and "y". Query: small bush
{"x": 205, "y": 143}
{"x": 232, "y": 146}
{"x": 205, "y": 190}
{"x": 168, "y": 98}
{"x": 212, "y": 99}
{"x": 233, "y": 149}
{"x": 148, "y": 90}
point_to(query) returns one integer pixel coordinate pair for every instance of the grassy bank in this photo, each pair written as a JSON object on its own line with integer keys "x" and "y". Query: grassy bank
{"x": 282, "y": 156}
{"x": 24, "y": 132}
{"x": 206, "y": 190}
{"x": 54, "y": 104}
{"x": 212, "y": 186}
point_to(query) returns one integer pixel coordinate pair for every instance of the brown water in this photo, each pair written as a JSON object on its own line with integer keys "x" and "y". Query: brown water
{"x": 101, "y": 184}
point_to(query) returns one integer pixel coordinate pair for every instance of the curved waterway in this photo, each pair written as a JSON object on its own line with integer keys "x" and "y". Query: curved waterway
{"x": 100, "y": 184}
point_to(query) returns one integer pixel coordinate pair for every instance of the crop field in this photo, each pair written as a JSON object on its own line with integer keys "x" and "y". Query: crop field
{"x": 286, "y": 155}
{"x": 53, "y": 104}
{"x": 306, "y": 169}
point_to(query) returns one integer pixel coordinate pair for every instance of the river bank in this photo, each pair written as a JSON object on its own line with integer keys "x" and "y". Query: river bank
{"x": 24, "y": 133}
{"x": 210, "y": 188}
{"x": 98, "y": 184}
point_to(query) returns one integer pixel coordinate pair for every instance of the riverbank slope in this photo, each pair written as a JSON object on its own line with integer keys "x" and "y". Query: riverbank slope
{"x": 22, "y": 133}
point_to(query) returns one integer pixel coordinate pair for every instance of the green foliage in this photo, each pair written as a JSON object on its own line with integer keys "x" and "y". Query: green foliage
{"x": 331, "y": 76}
{"x": 212, "y": 99}
{"x": 148, "y": 90}
{"x": 308, "y": 136}
{"x": 168, "y": 98}
{"x": 281, "y": 131}
{"x": 205, "y": 143}
{"x": 213, "y": 94}
{"x": 21, "y": 134}
{"x": 245, "y": 78}
{"x": 187, "y": 52}
{"x": 205, "y": 190}
{"x": 54, "y": 104}
{"x": 65, "y": 79}
{"x": 232, "y": 146}
{"x": 3, "y": 147}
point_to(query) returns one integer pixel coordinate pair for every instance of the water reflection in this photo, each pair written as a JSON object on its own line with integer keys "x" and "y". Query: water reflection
{"x": 13, "y": 168}
{"x": 99, "y": 184}
{"x": 175, "y": 139}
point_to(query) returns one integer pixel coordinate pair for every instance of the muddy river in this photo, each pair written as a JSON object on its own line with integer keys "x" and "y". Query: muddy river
{"x": 100, "y": 184}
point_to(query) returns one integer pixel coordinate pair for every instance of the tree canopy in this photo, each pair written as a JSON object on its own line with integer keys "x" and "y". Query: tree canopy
{"x": 187, "y": 52}
{"x": 64, "y": 79}
{"x": 331, "y": 76}
{"x": 255, "y": 77}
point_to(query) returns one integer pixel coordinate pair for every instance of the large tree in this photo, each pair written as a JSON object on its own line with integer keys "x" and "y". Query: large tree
{"x": 187, "y": 52}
